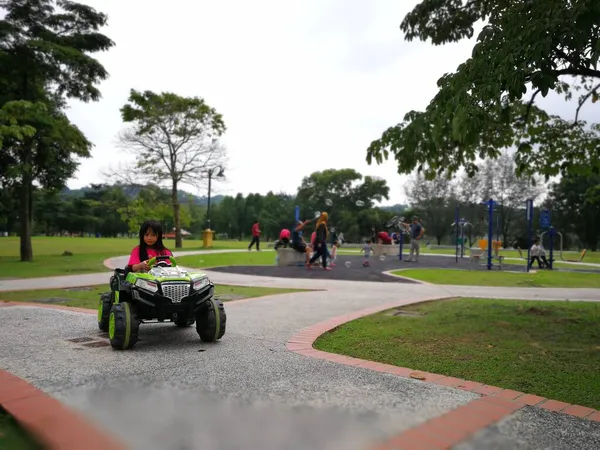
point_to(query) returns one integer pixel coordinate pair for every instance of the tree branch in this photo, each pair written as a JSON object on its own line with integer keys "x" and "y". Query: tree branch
{"x": 529, "y": 106}
{"x": 584, "y": 99}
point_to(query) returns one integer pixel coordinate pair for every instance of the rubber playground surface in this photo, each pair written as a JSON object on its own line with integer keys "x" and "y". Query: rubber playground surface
{"x": 356, "y": 271}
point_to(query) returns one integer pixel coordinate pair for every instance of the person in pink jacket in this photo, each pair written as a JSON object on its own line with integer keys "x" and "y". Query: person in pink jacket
{"x": 151, "y": 245}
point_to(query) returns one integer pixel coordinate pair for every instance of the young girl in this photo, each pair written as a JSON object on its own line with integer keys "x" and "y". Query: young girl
{"x": 151, "y": 245}
{"x": 367, "y": 249}
{"x": 320, "y": 246}
{"x": 333, "y": 253}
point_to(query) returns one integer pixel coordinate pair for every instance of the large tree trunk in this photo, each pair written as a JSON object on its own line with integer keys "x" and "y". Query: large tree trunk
{"x": 25, "y": 206}
{"x": 176, "y": 216}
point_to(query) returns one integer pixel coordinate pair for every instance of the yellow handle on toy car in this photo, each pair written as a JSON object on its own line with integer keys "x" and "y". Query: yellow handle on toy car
{"x": 152, "y": 261}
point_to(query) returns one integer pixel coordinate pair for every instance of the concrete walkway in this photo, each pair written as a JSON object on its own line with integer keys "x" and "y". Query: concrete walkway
{"x": 249, "y": 391}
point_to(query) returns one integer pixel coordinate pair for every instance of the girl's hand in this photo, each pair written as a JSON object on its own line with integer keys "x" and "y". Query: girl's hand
{"x": 141, "y": 266}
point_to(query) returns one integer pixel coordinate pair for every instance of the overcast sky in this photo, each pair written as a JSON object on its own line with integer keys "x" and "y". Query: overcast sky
{"x": 303, "y": 86}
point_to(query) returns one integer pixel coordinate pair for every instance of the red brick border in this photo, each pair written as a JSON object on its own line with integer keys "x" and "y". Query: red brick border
{"x": 52, "y": 424}
{"x": 450, "y": 428}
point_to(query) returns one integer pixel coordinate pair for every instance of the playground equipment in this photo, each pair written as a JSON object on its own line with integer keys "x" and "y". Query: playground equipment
{"x": 551, "y": 233}
{"x": 398, "y": 222}
{"x": 462, "y": 223}
{"x": 492, "y": 247}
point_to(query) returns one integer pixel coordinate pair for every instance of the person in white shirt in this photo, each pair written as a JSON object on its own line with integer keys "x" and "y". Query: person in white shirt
{"x": 535, "y": 252}
{"x": 543, "y": 256}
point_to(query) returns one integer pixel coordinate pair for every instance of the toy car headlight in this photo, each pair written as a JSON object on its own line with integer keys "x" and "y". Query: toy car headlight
{"x": 146, "y": 285}
{"x": 201, "y": 283}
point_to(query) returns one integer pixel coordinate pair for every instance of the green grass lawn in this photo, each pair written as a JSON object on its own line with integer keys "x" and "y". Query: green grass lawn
{"x": 514, "y": 258}
{"x": 12, "y": 436}
{"x": 87, "y": 297}
{"x": 506, "y": 279}
{"x": 550, "y": 349}
{"x": 88, "y": 254}
{"x": 253, "y": 258}
{"x": 590, "y": 257}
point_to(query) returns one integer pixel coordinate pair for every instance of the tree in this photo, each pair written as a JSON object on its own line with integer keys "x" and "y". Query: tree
{"x": 45, "y": 58}
{"x": 480, "y": 109}
{"x": 575, "y": 203}
{"x": 36, "y": 157}
{"x": 344, "y": 187}
{"x": 499, "y": 181}
{"x": 174, "y": 139}
{"x": 434, "y": 200}
{"x": 152, "y": 202}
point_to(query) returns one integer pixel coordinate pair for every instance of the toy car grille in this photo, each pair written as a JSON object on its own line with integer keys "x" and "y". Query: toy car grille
{"x": 176, "y": 291}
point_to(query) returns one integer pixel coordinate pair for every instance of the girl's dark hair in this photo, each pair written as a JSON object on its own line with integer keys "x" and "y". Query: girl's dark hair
{"x": 158, "y": 245}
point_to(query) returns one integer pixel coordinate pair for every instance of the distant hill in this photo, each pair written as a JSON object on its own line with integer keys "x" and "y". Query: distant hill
{"x": 133, "y": 191}
{"x": 398, "y": 208}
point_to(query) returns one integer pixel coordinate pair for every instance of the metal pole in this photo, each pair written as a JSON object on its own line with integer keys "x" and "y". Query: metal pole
{"x": 462, "y": 241}
{"x": 400, "y": 245}
{"x": 208, "y": 206}
{"x": 498, "y": 225}
{"x": 529, "y": 226}
{"x": 490, "y": 232}
{"x": 551, "y": 260}
{"x": 456, "y": 219}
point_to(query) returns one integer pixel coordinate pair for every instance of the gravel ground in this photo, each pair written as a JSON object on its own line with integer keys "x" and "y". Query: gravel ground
{"x": 172, "y": 390}
{"x": 537, "y": 429}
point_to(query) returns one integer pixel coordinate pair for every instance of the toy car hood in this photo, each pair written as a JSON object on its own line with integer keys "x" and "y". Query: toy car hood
{"x": 162, "y": 274}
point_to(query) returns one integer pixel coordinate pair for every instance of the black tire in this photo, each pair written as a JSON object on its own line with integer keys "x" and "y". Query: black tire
{"x": 104, "y": 305}
{"x": 123, "y": 326}
{"x": 184, "y": 322}
{"x": 211, "y": 320}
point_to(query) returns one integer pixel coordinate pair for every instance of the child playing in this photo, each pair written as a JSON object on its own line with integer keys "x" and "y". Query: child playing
{"x": 151, "y": 245}
{"x": 535, "y": 253}
{"x": 367, "y": 249}
{"x": 333, "y": 253}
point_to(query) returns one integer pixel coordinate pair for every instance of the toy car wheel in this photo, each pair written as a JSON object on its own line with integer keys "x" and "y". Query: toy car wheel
{"x": 123, "y": 325}
{"x": 211, "y": 320}
{"x": 184, "y": 322}
{"x": 104, "y": 305}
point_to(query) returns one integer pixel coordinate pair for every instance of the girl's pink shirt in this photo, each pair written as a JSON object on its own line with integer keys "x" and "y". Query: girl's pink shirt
{"x": 134, "y": 258}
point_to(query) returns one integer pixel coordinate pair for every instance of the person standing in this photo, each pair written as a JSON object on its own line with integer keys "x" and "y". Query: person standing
{"x": 416, "y": 234}
{"x": 535, "y": 254}
{"x": 320, "y": 246}
{"x": 255, "y": 236}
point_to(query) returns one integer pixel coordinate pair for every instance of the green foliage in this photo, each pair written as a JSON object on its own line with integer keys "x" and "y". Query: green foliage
{"x": 480, "y": 108}
{"x": 576, "y": 202}
{"x": 151, "y": 204}
{"x": 44, "y": 59}
{"x": 45, "y": 47}
{"x": 174, "y": 138}
{"x": 344, "y": 187}
{"x": 11, "y": 125}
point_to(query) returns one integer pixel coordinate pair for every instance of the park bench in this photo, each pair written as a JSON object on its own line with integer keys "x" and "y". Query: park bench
{"x": 289, "y": 257}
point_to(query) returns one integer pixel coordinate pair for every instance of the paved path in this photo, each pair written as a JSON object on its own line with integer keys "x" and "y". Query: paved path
{"x": 249, "y": 391}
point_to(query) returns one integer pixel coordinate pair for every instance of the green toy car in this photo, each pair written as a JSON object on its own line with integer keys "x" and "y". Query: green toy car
{"x": 165, "y": 292}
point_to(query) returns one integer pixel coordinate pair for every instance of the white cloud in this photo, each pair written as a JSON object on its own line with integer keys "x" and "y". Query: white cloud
{"x": 303, "y": 86}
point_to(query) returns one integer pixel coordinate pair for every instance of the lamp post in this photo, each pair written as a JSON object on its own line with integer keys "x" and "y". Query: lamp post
{"x": 220, "y": 173}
